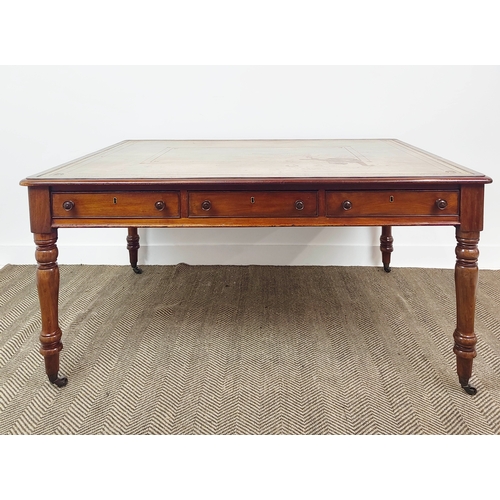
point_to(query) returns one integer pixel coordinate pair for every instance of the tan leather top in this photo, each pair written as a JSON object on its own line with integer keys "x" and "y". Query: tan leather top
{"x": 336, "y": 158}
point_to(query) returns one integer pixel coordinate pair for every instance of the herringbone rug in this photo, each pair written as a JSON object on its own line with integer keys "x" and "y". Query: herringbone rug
{"x": 248, "y": 350}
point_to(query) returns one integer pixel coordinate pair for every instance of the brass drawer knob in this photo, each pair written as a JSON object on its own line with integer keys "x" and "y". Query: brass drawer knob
{"x": 299, "y": 205}
{"x": 160, "y": 205}
{"x": 346, "y": 205}
{"x": 441, "y": 204}
{"x": 68, "y": 205}
{"x": 206, "y": 205}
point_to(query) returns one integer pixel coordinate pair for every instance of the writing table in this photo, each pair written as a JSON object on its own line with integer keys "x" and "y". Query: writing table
{"x": 258, "y": 183}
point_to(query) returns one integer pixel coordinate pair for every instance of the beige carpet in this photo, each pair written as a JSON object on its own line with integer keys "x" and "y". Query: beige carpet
{"x": 248, "y": 350}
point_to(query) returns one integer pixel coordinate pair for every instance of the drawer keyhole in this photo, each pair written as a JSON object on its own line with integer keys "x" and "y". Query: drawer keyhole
{"x": 391, "y": 199}
{"x": 252, "y": 200}
{"x": 114, "y": 201}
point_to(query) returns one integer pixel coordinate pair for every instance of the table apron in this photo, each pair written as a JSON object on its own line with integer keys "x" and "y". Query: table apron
{"x": 257, "y": 207}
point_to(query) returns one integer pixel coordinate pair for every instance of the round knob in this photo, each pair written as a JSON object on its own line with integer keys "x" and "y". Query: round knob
{"x": 68, "y": 205}
{"x": 299, "y": 205}
{"x": 441, "y": 204}
{"x": 160, "y": 205}
{"x": 346, "y": 205}
{"x": 206, "y": 205}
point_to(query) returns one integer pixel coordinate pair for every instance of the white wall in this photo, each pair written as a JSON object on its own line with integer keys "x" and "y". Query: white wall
{"x": 53, "y": 114}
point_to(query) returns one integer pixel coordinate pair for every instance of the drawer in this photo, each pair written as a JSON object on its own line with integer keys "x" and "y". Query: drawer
{"x": 381, "y": 203}
{"x": 134, "y": 204}
{"x": 253, "y": 204}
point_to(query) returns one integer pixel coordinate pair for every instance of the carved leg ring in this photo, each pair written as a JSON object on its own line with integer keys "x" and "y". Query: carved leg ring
{"x": 133, "y": 247}
{"x": 386, "y": 247}
{"x": 47, "y": 279}
{"x": 466, "y": 276}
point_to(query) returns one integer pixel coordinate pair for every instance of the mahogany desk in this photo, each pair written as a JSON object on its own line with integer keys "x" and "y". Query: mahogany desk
{"x": 253, "y": 184}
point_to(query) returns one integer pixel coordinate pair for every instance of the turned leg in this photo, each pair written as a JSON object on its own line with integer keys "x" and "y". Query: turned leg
{"x": 47, "y": 280}
{"x": 386, "y": 247}
{"x": 133, "y": 247}
{"x": 466, "y": 275}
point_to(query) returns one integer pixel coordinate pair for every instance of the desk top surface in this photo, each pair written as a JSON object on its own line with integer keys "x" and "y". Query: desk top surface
{"x": 152, "y": 160}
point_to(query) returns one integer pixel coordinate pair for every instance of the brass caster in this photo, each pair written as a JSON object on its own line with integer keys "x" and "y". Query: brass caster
{"x": 58, "y": 380}
{"x": 469, "y": 389}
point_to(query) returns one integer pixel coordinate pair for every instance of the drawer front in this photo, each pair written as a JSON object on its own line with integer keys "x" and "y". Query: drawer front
{"x": 253, "y": 204}
{"x": 382, "y": 203}
{"x": 136, "y": 204}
